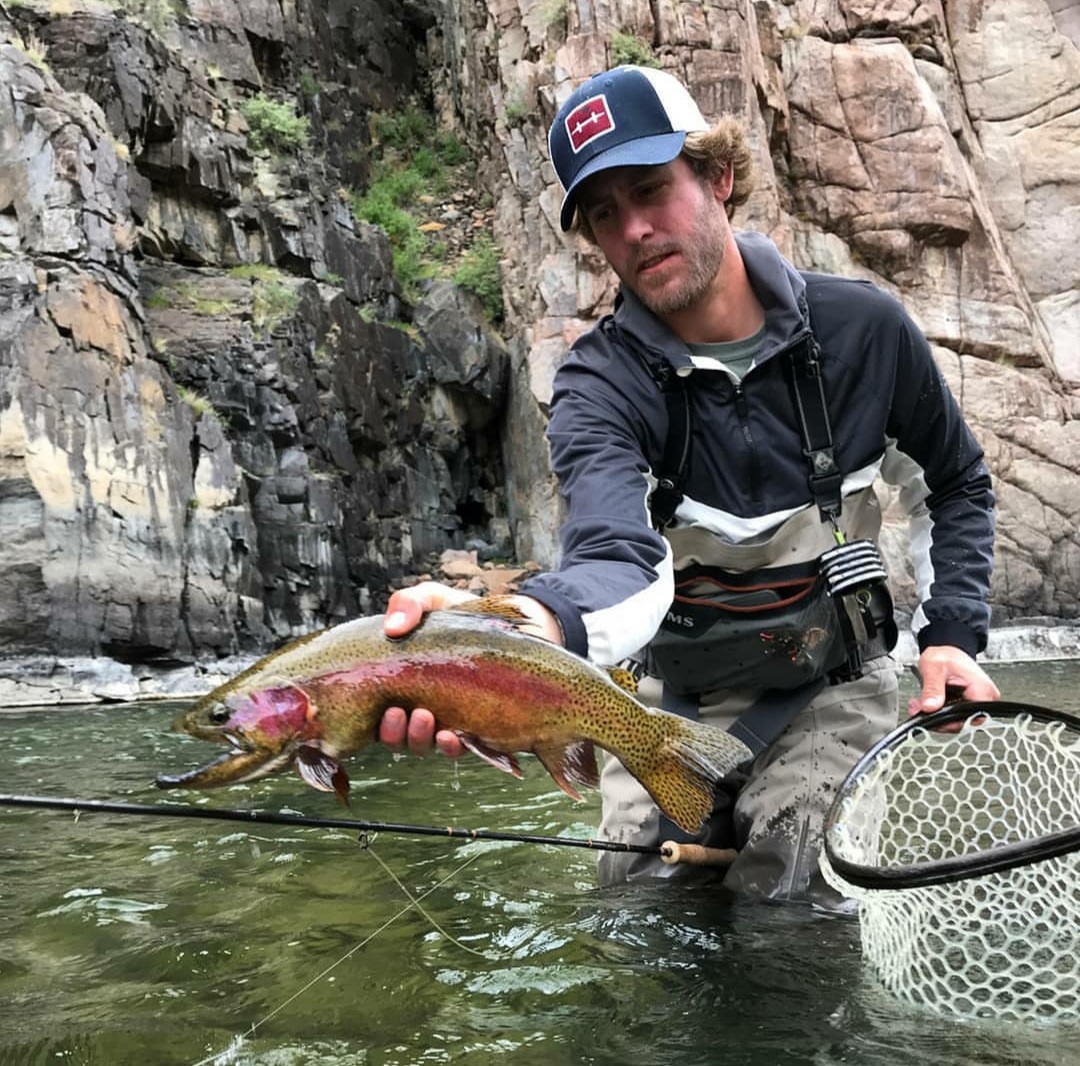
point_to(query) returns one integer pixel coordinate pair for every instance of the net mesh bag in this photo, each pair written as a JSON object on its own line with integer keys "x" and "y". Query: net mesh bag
{"x": 963, "y": 851}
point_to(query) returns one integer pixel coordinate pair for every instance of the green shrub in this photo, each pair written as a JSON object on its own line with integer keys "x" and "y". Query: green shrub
{"x": 451, "y": 149}
{"x": 403, "y": 130}
{"x": 273, "y": 302}
{"x": 255, "y": 272}
{"x": 32, "y": 47}
{"x": 554, "y": 14}
{"x": 198, "y": 403}
{"x": 275, "y": 126}
{"x": 630, "y": 48}
{"x": 380, "y": 207}
{"x": 481, "y": 274}
{"x": 158, "y": 300}
{"x": 411, "y": 160}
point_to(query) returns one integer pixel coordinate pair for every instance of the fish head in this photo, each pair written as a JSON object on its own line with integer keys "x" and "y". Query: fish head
{"x": 263, "y": 727}
{"x": 267, "y": 717}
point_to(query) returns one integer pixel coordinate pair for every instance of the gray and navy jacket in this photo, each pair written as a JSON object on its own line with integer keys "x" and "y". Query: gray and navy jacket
{"x": 892, "y": 415}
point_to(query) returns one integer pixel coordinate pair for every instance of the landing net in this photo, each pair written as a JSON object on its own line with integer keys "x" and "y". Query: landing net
{"x": 963, "y": 850}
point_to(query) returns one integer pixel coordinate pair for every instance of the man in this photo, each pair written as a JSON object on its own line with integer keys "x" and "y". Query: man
{"x": 715, "y": 441}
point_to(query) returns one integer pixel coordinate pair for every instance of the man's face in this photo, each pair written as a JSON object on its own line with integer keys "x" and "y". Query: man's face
{"x": 662, "y": 229}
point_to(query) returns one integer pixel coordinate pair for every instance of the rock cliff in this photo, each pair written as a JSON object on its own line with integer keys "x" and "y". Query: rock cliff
{"x": 225, "y": 419}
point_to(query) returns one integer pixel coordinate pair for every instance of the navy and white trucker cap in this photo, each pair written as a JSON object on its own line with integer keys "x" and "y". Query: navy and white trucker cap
{"x": 627, "y": 116}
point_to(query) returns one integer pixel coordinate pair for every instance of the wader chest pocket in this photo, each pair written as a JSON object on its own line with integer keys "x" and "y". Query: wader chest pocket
{"x": 732, "y": 630}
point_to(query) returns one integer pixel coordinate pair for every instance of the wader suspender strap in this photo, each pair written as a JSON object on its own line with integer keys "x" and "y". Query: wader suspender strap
{"x": 671, "y": 477}
{"x": 668, "y": 493}
{"x": 809, "y": 391}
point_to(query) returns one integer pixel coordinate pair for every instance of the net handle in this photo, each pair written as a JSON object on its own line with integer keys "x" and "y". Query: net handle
{"x": 977, "y": 864}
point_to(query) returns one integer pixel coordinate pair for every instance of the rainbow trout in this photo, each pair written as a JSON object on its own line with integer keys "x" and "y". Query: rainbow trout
{"x": 500, "y": 689}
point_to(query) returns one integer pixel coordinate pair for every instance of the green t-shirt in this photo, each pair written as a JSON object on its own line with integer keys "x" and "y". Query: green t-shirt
{"x": 737, "y": 357}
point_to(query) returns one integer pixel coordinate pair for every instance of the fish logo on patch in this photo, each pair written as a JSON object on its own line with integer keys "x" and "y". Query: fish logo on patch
{"x": 588, "y": 121}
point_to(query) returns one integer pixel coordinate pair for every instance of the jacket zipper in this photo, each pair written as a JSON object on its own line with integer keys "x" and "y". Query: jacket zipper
{"x": 742, "y": 409}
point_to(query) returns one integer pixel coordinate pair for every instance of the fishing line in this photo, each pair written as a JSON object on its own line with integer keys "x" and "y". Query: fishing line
{"x": 237, "y": 1043}
{"x": 416, "y": 903}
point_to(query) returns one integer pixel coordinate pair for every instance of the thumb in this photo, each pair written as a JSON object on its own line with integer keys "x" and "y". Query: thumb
{"x": 932, "y": 697}
{"x": 403, "y": 615}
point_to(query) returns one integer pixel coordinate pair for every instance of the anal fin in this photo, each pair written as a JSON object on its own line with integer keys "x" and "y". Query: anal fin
{"x": 571, "y": 764}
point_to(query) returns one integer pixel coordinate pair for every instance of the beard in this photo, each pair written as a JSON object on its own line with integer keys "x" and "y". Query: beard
{"x": 702, "y": 256}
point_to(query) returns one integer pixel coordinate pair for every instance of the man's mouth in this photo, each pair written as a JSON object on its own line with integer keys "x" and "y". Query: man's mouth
{"x": 646, "y": 266}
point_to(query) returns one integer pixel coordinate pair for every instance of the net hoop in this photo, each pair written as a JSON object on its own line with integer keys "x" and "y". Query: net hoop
{"x": 951, "y": 869}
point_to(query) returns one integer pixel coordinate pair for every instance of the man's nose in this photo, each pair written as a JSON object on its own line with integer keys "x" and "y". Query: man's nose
{"x": 636, "y": 224}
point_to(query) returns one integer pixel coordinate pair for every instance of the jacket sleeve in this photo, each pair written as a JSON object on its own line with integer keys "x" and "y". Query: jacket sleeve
{"x": 614, "y": 581}
{"x": 946, "y": 490}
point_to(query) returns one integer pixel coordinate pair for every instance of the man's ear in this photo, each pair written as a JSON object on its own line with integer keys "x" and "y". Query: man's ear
{"x": 722, "y": 184}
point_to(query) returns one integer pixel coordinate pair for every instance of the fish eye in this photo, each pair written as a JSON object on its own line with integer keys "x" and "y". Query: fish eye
{"x": 219, "y": 715}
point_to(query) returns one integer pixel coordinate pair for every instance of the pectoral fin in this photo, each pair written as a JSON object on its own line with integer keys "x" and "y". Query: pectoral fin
{"x": 323, "y": 772}
{"x": 501, "y": 760}
{"x": 573, "y": 764}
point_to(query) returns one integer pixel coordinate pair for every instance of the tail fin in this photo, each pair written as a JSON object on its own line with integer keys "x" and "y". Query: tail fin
{"x": 693, "y": 757}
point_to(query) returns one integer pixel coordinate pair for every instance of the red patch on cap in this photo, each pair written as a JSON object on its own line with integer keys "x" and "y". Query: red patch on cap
{"x": 588, "y": 121}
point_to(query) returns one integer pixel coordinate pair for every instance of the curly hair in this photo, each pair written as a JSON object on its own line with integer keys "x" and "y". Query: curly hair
{"x": 709, "y": 153}
{"x": 712, "y": 152}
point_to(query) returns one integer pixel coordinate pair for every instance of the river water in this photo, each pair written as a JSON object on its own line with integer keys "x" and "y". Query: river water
{"x": 146, "y": 942}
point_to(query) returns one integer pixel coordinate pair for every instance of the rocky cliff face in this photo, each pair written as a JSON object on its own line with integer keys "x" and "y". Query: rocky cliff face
{"x": 217, "y": 428}
{"x": 934, "y": 149}
{"x": 224, "y": 422}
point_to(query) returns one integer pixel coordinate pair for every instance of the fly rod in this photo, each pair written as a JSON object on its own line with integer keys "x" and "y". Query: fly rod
{"x": 670, "y": 852}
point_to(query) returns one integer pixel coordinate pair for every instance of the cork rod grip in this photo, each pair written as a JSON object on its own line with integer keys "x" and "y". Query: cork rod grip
{"x": 696, "y": 854}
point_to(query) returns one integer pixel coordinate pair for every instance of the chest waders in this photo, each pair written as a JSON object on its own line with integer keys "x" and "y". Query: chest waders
{"x": 837, "y": 611}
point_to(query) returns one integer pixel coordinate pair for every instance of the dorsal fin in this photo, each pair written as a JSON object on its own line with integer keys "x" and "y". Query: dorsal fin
{"x": 623, "y": 678}
{"x": 494, "y": 607}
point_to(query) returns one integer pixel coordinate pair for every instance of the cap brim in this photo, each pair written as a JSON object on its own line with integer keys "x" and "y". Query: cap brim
{"x": 643, "y": 152}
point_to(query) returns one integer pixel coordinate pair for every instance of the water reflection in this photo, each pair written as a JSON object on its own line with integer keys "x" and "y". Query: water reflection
{"x": 139, "y": 942}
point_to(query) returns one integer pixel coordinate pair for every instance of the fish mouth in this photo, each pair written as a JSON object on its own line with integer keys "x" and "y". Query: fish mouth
{"x": 234, "y": 766}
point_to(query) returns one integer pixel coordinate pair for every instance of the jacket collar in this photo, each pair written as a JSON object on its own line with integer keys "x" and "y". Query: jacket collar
{"x": 779, "y": 287}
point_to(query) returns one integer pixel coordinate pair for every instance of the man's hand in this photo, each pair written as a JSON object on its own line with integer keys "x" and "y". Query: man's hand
{"x": 942, "y": 665}
{"x": 417, "y": 731}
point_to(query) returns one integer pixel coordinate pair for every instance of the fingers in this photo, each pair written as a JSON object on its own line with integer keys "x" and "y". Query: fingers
{"x": 417, "y": 734}
{"x": 408, "y": 606}
{"x": 949, "y": 673}
{"x": 393, "y": 728}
